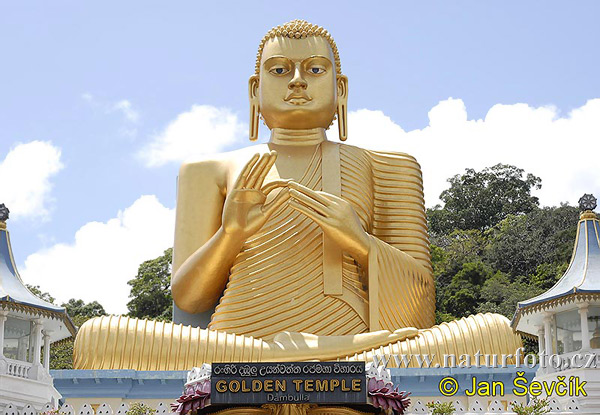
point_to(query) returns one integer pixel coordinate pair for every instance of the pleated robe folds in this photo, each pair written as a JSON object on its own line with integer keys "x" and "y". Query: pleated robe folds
{"x": 291, "y": 277}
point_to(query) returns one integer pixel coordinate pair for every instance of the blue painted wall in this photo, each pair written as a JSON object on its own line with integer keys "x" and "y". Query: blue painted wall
{"x": 134, "y": 384}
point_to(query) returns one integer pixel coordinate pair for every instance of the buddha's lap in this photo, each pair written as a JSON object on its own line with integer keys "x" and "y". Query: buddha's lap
{"x": 117, "y": 342}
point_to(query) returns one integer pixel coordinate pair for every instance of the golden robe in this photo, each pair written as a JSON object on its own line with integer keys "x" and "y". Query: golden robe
{"x": 289, "y": 277}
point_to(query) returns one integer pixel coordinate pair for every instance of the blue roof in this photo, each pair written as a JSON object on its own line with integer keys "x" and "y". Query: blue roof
{"x": 583, "y": 274}
{"x": 12, "y": 289}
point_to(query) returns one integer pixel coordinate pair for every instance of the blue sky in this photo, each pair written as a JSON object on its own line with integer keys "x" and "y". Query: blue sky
{"x": 99, "y": 81}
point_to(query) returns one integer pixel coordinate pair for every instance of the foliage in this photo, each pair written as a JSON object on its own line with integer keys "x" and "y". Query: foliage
{"x": 535, "y": 407}
{"x": 463, "y": 294}
{"x": 80, "y": 312}
{"x": 151, "y": 289}
{"x": 35, "y": 290}
{"x": 140, "y": 408}
{"x": 479, "y": 200}
{"x": 500, "y": 295}
{"x": 519, "y": 244}
{"x": 492, "y": 246}
{"x": 446, "y": 408}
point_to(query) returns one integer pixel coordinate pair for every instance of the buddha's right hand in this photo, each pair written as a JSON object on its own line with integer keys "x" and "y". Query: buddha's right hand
{"x": 245, "y": 210}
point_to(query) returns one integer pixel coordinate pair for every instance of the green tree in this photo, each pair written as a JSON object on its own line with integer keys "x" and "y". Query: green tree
{"x": 151, "y": 289}
{"x": 492, "y": 246}
{"x": 519, "y": 244}
{"x": 80, "y": 311}
{"x": 481, "y": 199}
{"x": 546, "y": 275}
{"x": 462, "y": 296}
{"x": 35, "y": 290}
{"x": 500, "y": 295}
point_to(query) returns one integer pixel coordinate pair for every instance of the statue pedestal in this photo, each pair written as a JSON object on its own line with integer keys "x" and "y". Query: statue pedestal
{"x": 290, "y": 388}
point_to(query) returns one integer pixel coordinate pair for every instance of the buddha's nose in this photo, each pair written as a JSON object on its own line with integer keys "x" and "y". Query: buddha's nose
{"x": 297, "y": 81}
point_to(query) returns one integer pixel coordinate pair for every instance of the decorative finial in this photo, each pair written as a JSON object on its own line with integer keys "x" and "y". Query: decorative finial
{"x": 3, "y": 215}
{"x": 587, "y": 202}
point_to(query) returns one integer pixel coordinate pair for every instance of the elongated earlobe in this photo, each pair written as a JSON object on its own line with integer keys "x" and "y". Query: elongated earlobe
{"x": 342, "y": 107}
{"x": 254, "y": 107}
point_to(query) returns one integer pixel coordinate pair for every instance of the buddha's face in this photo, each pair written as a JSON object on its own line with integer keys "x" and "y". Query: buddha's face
{"x": 297, "y": 86}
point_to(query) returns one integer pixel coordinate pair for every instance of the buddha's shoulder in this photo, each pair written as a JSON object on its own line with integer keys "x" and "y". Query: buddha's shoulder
{"x": 394, "y": 157}
{"x": 218, "y": 167}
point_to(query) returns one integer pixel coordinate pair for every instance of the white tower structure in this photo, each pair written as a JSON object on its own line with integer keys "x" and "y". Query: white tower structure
{"x": 566, "y": 319}
{"x": 28, "y": 324}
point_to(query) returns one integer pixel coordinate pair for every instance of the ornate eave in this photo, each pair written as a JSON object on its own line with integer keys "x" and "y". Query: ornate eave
{"x": 48, "y": 314}
{"x": 540, "y": 308}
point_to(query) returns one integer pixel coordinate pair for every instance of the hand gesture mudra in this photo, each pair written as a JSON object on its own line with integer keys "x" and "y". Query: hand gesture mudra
{"x": 335, "y": 216}
{"x": 245, "y": 210}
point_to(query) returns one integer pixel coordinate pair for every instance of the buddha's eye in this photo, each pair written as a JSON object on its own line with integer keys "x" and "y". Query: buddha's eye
{"x": 316, "y": 70}
{"x": 279, "y": 70}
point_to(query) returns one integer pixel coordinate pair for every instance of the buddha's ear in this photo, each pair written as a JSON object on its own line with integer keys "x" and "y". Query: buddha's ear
{"x": 254, "y": 107}
{"x": 342, "y": 106}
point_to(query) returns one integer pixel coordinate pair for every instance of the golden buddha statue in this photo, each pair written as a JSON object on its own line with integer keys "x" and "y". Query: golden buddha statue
{"x": 309, "y": 249}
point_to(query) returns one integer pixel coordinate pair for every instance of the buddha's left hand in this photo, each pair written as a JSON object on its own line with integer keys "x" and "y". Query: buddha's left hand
{"x": 335, "y": 216}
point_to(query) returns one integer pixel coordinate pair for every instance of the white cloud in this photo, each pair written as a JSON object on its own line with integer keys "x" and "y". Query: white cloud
{"x": 203, "y": 130}
{"x": 104, "y": 255}
{"x": 125, "y": 107}
{"x": 559, "y": 149}
{"x": 25, "y": 179}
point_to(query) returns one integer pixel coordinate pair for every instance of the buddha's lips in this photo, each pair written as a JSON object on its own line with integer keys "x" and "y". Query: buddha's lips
{"x": 296, "y": 98}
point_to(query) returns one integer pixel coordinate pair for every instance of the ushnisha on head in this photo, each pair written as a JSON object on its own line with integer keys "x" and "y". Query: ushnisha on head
{"x": 298, "y": 82}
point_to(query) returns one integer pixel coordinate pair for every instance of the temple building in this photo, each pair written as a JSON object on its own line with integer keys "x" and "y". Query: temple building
{"x": 566, "y": 318}
{"x": 28, "y": 325}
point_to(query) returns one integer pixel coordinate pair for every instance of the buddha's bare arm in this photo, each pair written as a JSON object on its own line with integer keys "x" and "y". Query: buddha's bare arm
{"x": 223, "y": 222}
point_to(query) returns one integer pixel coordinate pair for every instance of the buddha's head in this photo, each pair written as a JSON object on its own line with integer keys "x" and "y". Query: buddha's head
{"x": 298, "y": 83}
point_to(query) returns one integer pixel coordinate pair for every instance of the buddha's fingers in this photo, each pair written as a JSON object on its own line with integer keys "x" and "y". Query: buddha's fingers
{"x": 317, "y": 217}
{"x": 276, "y": 184}
{"x": 241, "y": 179}
{"x": 265, "y": 170}
{"x": 308, "y": 201}
{"x": 318, "y": 196}
{"x": 257, "y": 170}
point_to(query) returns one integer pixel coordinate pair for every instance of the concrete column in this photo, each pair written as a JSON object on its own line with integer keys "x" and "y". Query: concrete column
{"x": 47, "y": 349}
{"x": 540, "y": 335}
{"x": 3, "y": 317}
{"x": 585, "y": 329}
{"x": 548, "y": 335}
{"x": 37, "y": 342}
{"x": 22, "y": 350}
{"x": 30, "y": 346}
